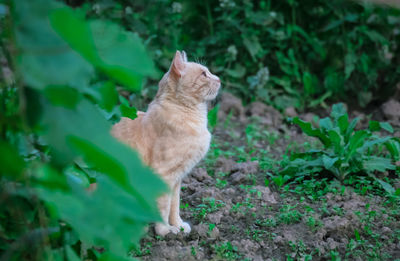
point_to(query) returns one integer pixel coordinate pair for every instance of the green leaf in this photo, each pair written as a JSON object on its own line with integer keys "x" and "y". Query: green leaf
{"x": 123, "y": 54}
{"x": 113, "y": 220}
{"x": 252, "y": 45}
{"x": 343, "y": 123}
{"x": 377, "y": 163}
{"x": 85, "y": 132}
{"x": 326, "y": 124}
{"x": 238, "y": 72}
{"x": 104, "y": 94}
{"x": 213, "y": 116}
{"x": 357, "y": 235}
{"x": 377, "y": 126}
{"x": 44, "y": 58}
{"x": 387, "y": 187}
{"x": 393, "y": 146}
{"x": 372, "y": 142}
{"x": 308, "y": 84}
{"x": 127, "y": 111}
{"x": 62, "y": 96}
{"x": 328, "y": 161}
{"x": 119, "y": 54}
{"x": 350, "y": 129}
{"x": 355, "y": 142}
{"x": 308, "y": 129}
{"x": 336, "y": 141}
{"x": 46, "y": 176}
{"x": 338, "y": 110}
{"x": 11, "y": 164}
{"x": 76, "y": 32}
{"x": 350, "y": 64}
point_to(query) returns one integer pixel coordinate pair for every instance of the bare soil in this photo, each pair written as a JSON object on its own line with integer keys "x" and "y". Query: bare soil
{"x": 235, "y": 216}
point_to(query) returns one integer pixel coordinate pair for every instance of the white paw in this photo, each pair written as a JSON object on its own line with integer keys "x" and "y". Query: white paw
{"x": 183, "y": 226}
{"x": 186, "y": 227}
{"x": 162, "y": 229}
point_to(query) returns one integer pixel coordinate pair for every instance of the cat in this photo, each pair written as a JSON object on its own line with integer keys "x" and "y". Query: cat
{"x": 172, "y": 136}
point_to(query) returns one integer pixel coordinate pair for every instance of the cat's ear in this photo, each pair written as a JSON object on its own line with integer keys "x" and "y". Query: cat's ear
{"x": 177, "y": 66}
{"x": 184, "y": 56}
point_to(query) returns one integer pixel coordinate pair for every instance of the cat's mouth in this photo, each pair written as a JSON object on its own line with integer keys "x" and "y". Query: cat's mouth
{"x": 214, "y": 91}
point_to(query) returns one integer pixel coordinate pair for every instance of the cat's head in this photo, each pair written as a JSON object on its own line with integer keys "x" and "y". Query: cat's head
{"x": 189, "y": 81}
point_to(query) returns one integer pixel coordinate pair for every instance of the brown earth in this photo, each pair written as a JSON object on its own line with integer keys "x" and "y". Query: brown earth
{"x": 235, "y": 216}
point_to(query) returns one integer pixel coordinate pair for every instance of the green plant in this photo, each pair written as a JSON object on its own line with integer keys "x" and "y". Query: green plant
{"x": 289, "y": 214}
{"x": 227, "y": 251}
{"x": 208, "y": 205}
{"x": 55, "y": 138}
{"x": 345, "y": 150}
{"x": 289, "y": 53}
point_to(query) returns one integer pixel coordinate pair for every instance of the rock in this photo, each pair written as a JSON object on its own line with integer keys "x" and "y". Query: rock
{"x": 336, "y": 223}
{"x": 391, "y": 111}
{"x": 246, "y": 245}
{"x": 363, "y": 120}
{"x": 200, "y": 174}
{"x": 266, "y": 194}
{"x": 215, "y": 218}
{"x": 224, "y": 165}
{"x": 191, "y": 184}
{"x": 289, "y": 237}
{"x": 279, "y": 240}
{"x": 162, "y": 251}
{"x": 211, "y": 193}
{"x": 238, "y": 178}
{"x": 204, "y": 231}
{"x": 386, "y": 231}
{"x": 229, "y": 166}
{"x": 268, "y": 115}
{"x": 331, "y": 243}
{"x": 230, "y": 104}
{"x": 320, "y": 234}
{"x": 290, "y": 112}
{"x": 250, "y": 167}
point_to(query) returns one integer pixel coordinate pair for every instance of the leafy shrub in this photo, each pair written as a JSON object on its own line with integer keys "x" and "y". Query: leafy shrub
{"x": 345, "y": 150}
{"x": 55, "y": 138}
{"x": 286, "y": 53}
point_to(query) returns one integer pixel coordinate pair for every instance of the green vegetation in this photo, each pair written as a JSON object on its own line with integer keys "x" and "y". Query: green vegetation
{"x": 55, "y": 138}
{"x": 286, "y": 53}
{"x": 71, "y": 68}
{"x": 345, "y": 150}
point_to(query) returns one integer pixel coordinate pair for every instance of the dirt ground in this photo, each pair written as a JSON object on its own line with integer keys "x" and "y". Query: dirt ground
{"x": 235, "y": 216}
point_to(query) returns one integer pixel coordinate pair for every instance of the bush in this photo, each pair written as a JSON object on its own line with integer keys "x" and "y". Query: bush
{"x": 285, "y": 53}
{"x": 345, "y": 151}
{"x": 55, "y": 141}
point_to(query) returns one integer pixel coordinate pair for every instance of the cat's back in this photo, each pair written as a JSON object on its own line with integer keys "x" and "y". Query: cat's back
{"x": 129, "y": 131}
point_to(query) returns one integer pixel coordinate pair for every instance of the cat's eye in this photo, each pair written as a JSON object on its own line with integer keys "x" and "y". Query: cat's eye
{"x": 204, "y": 74}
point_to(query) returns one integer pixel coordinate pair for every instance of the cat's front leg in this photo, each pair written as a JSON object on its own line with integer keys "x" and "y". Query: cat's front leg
{"x": 164, "y": 206}
{"x": 174, "y": 217}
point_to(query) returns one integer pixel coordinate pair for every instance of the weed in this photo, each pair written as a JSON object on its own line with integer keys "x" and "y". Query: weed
{"x": 209, "y": 205}
{"x": 289, "y": 215}
{"x": 345, "y": 151}
{"x": 227, "y": 251}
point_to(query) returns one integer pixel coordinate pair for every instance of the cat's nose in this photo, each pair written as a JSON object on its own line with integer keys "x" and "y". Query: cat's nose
{"x": 218, "y": 80}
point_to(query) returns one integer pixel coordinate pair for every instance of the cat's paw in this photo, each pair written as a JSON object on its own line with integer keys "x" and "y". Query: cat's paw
{"x": 162, "y": 229}
{"x": 185, "y": 227}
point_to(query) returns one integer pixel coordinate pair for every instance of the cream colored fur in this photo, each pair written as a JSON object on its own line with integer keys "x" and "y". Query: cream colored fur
{"x": 172, "y": 136}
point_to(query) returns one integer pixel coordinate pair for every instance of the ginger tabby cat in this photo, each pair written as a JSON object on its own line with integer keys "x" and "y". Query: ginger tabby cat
{"x": 172, "y": 136}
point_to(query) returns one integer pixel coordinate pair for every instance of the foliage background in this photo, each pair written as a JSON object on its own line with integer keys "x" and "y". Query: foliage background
{"x": 285, "y": 53}
{"x": 61, "y": 67}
